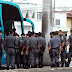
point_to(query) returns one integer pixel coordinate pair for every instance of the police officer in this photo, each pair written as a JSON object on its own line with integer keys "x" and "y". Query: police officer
{"x": 69, "y": 42}
{"x": 42, "y": 43}
{"x": 56, "y": 32}
{"x": 34, "y": 50}
{"x": 21, "y": 56}
{"x": 1, "y": 44}
{"x": 53, "y": 46}
{"x": 17, "y": 50}
{"x": 23, "y": 35}
{"x": 10, "y": 43}
{"x": 25, "y": 58}
{"x": 63, "y": 43}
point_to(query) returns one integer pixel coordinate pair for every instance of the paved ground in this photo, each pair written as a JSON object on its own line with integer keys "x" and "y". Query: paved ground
{"x": 44, "y": 69}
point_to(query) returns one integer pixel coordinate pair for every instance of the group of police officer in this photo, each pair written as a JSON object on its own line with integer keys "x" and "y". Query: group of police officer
{"x": 27, "y": 51}
{"x": 58, "y": 46}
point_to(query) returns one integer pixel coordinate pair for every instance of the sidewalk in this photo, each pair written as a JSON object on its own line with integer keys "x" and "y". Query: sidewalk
{"x": 44, "y": 69}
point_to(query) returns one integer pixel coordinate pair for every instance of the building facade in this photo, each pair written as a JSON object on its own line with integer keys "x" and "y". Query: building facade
{"x": 60, "y": 21}
{"x": 32, "y": 10}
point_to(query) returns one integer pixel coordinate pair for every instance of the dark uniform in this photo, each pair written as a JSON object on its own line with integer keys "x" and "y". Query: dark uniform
{"x": 1, "y": 42}
{"x": 21, "y": 56}
{"x": 26, "y": 57}
{"x": 54, "y": 43}
{"x": 70, "y": 50}
{"x": 17, "y": 50}
{"x": 63, "y": 39}
{"x": 10, "y": 43}
{"x": 70, "y": 43}
{"x": 33, "y": 45}
{"x": 59, "y": 38}
{"x": 42, "y": 43}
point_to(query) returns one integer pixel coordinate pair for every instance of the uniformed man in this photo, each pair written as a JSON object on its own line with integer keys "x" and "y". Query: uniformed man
{"x": 42, "y": 43}
{"x": 69, "y": 42}
{"x": 53, "y": 47}
{"x": 49, "y": 44}
{"x": 10, "y": 43}
{"x": 23, "y": 35}
{"x": 29, "y": 35}
{"x": 63, "y": 43}
{"x": 1, "y": 44}
{"x": 17, "y": 50}
{"x": 21, "y": 56}
{"x": 56, "y": 32}
{"x": 34, "y": 50}
{"x": 25, "y": 58}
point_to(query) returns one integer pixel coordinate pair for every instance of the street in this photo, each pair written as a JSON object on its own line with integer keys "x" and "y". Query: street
{"x": 44, "y": 69}
{"x": 60, "y": 71}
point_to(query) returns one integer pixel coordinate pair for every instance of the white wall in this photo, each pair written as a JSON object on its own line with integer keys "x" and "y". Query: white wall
{"x": 63, "y": 21}
{"x": 38, "y": 26}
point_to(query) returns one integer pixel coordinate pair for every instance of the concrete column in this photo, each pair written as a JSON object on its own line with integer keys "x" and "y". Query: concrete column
{"x": 47, "y": 26}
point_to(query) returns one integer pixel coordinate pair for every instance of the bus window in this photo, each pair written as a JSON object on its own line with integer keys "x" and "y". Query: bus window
{"x": 12, "y": 25}
{"x": 10, "y": 12}
{"x": 17, "y": 25}
{"x": 27, "y": 27}
{"x": 7, "y": 27}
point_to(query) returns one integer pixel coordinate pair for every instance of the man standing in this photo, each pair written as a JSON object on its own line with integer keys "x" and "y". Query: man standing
{"x": 34, "y": 50}
{"x": 17, "y": 50}
{"x": 63, "y": 44}
{"x": 21, "y": 55}
{"x": 70, "y": 47}
{"x": 22, "y": 35}
{"x": 42, "y": 43}
{"x": 10, "y": 44}
{"x": 25, "y": 58}
{"x": 1, "y": 44}
{"x": 53, "y": 47}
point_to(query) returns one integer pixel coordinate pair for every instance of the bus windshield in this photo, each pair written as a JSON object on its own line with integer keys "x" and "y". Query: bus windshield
{"x": 10, "y": 12}
{"x": 8, "y": 15}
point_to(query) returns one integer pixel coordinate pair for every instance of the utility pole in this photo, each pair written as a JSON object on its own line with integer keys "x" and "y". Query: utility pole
{"x": 54, "y": 5}
{"x": 54, "y": 12}
{"x": 47, "y": 25}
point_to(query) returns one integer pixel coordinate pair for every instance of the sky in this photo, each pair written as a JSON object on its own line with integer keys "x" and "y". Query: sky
{"x": 63, "y": 3}
{"x": 59, "y": 3}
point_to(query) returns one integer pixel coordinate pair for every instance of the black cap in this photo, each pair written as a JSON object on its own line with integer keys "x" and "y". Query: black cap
{"x": 29, "y": 32}
{"x": 32, "y": 33}
{"x": 22, "y": 34}
{"x": 56, "y": 32}
{"x": 11, "y": 31}
{"x": 53, "y": 33}
{"x": 16, "y": 34}
{"x": 39, "y": 34}
{"x": 14, "y": 29}
{"x": 50, "y": 33}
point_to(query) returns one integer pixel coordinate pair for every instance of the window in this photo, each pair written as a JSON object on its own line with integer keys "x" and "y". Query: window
{"x": 33, "y": 16}
{"x": 27, "y": 15}
{"x": 39, "y": 15}
{"x": 57, "y": 22}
